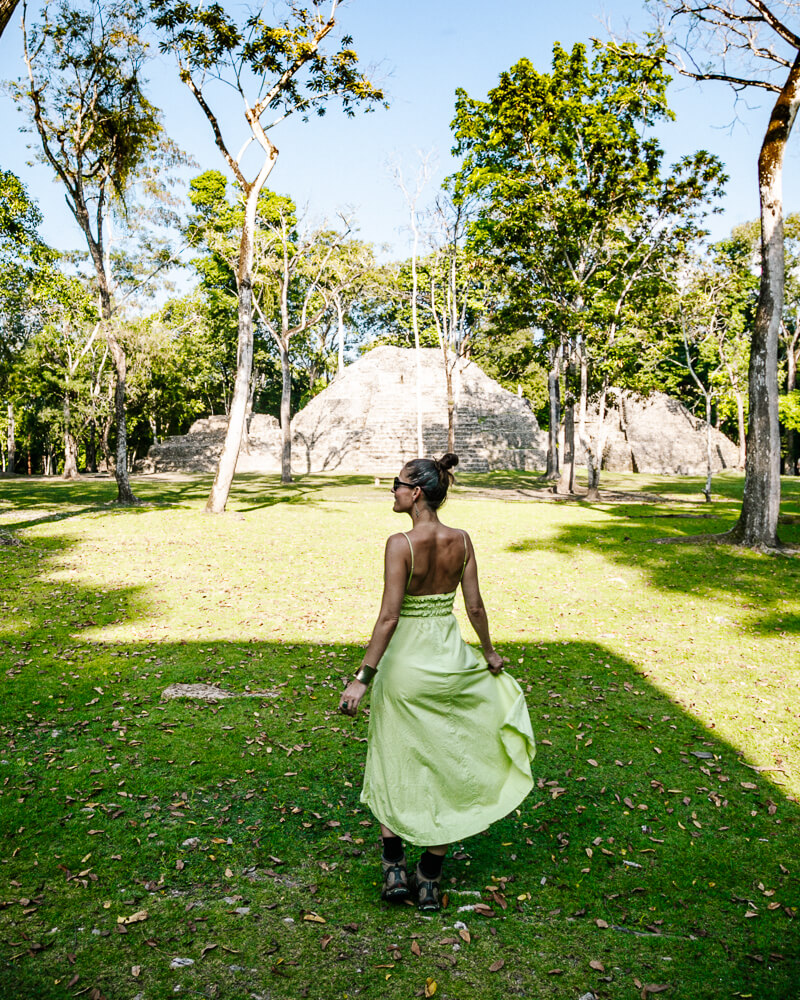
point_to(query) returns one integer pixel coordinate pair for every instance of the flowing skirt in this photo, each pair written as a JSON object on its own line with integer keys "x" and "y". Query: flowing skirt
{"x": 450, "y": 744}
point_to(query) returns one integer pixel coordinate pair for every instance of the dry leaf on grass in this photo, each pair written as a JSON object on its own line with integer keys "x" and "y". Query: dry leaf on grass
{"x": 497, "y": 966}
{"x": 430, "y": 987}
{"x": 134, "y": 918}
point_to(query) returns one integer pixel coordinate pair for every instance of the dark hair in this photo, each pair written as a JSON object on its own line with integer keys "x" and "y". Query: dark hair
{"x": 433, "y": 476}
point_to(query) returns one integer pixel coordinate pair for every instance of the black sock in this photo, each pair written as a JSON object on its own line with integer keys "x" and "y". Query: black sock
{"x": 431, "y": 865}
{"x": 392, "y": 849}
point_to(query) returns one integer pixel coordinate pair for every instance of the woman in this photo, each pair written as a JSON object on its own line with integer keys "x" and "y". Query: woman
{"x": 450, "y": 740}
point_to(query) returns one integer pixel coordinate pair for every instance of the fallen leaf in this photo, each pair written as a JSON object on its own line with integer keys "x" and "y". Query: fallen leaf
{"x": 555, "y": 972}
{"x": 601, "y": 924}
{"x": 415, "y": 948}
{"x": 135, "y": 970}
{"x": 653, "y": 988}
{"x": 314, "y": 918}
{"x": 326, "y": 941}
{"x": 134, "y": 918}
{"x": 497, "y": 966}
{"x": 430, "y": 987}
{"x": 207, "y": 949}
{"x": 597, "y": 966}
{"x": 463, "y": 933}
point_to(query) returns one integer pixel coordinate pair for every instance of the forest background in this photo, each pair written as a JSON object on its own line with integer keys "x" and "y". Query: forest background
{"x": 352, "y": 195}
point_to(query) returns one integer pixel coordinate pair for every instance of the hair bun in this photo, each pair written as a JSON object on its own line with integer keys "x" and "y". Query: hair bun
{"x": 448, "y": 461}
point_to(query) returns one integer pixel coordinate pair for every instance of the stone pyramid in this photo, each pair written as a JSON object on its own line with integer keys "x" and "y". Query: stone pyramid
{"x": 366, "y": 419}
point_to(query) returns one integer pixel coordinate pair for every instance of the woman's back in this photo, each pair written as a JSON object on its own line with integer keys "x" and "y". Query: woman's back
{"x": 438, "y": 556}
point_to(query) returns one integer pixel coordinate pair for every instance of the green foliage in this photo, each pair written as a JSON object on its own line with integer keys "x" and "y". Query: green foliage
{"x": 789, "y": 410}
{"x": 25, "y": 267}
{"x": 576, "y": 210}
{"x": 514, "y": 359}
{"x": 208, "y": 37}
{"x": 87, "y": 98}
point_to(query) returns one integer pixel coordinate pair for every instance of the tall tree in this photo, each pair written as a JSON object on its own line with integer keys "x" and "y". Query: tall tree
{"x": 98, "y": 132}
{"x": 576, "y": 207}
{"x": 458, "y": 286}
{"x": 278, "y": 69}
{"x": 752, "y": 44}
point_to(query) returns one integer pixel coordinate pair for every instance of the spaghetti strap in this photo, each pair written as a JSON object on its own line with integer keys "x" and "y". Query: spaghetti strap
{"x": 466, "y": 553}
{"x": 411, "y": 571}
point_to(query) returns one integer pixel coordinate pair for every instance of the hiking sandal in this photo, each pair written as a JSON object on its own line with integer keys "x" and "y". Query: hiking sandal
{"x": 395, "y": 880}
{"x": 429, "y": 896}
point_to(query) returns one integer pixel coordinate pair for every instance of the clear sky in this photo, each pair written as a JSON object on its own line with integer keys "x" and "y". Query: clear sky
{"x": 420, "y": 51}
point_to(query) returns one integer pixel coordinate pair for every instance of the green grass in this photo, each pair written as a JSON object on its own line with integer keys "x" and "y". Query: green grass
{"x": 661, "y": 842}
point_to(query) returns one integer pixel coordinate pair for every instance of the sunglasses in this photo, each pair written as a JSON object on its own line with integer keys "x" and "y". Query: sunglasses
{"x": 399, "y": 482}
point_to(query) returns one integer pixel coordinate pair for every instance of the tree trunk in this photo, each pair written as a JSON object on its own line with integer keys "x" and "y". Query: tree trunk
{"x": 104, "y": 445}
{"x": 226, "y": 467}
{"x": 7, "y": 8}
{"x": 554, "y": 392}
{"x": 592, "y": 470}
{"x": 707, "y": 490}
{"x": 415, "y": 326}
{"x": 757, "y": 526}
{"x": 742, "y": 428}
{"x": 594, "y": 454}
{"x": 70, "y": 447}
{"x": 286, "y": 415}
{"x": 340, "y": 319}
{"x": 91, "y": 448}
{"x": 791, "y": 385}
{"x": 11, "y": 439}
{"x": 124, "y": 492}
{"x": 566, "y": 479}
{"x": 451, "y": 406}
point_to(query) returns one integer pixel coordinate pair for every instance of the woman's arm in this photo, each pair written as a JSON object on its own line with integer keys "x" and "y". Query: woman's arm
{"x": 476, "y": 610}
{"x": 395, "y": 575}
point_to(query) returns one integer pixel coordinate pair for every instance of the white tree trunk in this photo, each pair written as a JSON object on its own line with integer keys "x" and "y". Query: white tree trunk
{"x": 757, "y": 526}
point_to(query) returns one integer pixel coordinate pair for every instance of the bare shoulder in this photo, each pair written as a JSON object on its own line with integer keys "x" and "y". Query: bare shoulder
{"x": 397, "y": 542}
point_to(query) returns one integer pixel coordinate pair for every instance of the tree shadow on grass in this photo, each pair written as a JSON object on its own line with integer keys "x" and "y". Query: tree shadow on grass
{"x": 648, "y": 845}
{"x": 52, "y": 499}
{"x": 765, "y": 588}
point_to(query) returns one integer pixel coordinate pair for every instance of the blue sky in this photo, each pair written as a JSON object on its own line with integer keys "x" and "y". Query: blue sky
{"x": 421, "y": 52}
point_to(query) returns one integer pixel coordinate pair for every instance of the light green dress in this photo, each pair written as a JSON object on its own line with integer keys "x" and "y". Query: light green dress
{"x": 450, "y": 744}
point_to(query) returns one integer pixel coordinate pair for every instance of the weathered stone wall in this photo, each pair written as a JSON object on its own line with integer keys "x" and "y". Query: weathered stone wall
{"x": 658, "y": 435}
{"x": 199, "y": 450}
{"x": 365, "y": 421}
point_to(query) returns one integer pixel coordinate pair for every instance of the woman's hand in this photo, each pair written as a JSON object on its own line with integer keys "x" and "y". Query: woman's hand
{"x": 495, "y": 662}
{"x": 351, "y": 697}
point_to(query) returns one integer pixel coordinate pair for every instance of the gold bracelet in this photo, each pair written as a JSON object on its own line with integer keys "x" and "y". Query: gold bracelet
{"x": 365, "y": 673}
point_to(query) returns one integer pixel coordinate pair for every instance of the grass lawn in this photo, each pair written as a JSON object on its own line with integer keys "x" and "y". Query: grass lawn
{"x": 152, "y": 849}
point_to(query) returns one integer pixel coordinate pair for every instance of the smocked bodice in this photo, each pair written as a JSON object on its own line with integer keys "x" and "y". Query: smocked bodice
{"x": 427, "y": 605}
